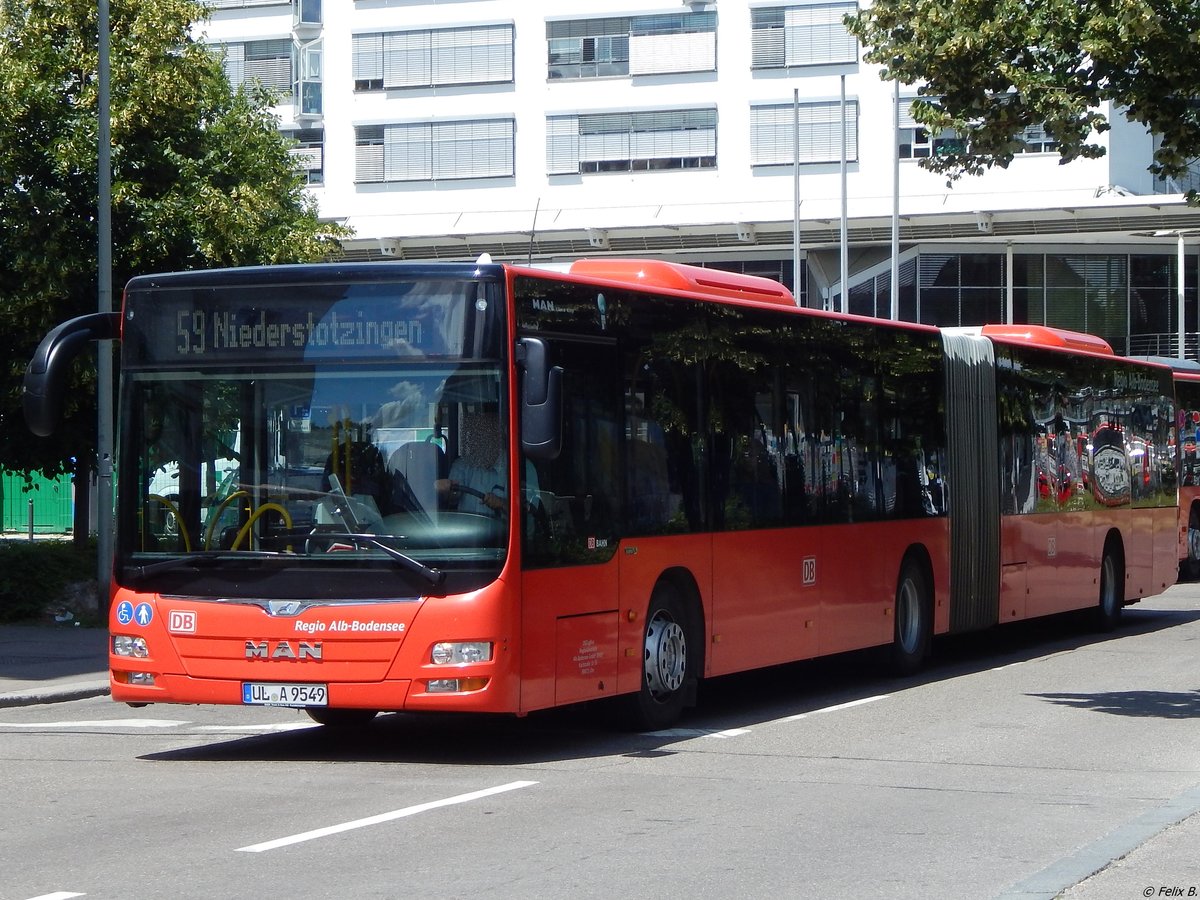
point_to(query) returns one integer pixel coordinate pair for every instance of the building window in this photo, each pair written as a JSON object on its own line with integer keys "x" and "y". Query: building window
{"x": 631, "y": 142}
{"x": 1034, "y": 139}
{"x": 433, "y": 58}
{"x": 307, "y": 88}
{"x": 309, "y": 153}
{"x": 916, "y": 142}
{"x": 771, "y": 128}
{"x": 269, "y": 63}
{"x": 434, "y": 151}
{"x": 306, "y": 12}
{"x": 808, "y": 35}
{"x": 632, "y": 45}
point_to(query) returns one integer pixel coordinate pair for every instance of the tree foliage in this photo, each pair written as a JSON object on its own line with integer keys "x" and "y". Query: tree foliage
{"x": 201, "y": 177}
{"x": 988, "y": 69}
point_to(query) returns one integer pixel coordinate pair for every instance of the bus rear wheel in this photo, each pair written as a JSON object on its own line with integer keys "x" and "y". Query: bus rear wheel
{"x": 669, "y": 661}
{"x": 340, "y": 718}
{"x": 913, "y": 628}
{"x": 1112, "y": 594}
{"x": 1190, "y": 567}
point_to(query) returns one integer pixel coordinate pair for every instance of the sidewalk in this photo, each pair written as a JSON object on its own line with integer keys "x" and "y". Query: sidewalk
{"x": 51, "y": 664}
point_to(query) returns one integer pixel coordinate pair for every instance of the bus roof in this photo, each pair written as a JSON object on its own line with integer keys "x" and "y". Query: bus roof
{"x": 1182, "y": 368}
{"x": 1045, "y": 336}
{"x": 657, "y": 274}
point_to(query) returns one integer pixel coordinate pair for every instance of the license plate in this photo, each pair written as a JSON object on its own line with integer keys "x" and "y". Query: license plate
{"x": 271, "y": 693}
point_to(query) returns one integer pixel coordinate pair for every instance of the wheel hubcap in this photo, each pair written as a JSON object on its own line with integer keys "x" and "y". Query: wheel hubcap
{"x": 666, "y": 655}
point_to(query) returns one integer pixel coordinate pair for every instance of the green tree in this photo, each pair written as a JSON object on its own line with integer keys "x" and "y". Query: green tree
{"x": 988, "y": 69}
{"x": 201, "y": 177}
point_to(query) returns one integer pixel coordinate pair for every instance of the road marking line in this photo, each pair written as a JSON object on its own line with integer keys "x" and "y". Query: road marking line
{"x": 383, "y": 817}
{"x": 100, "y": 723}
{"x": 58, "y": 895}
{"x": 836, "y": 708}
{"x": 696, "y": 732}
{"x": 278, "y": 726}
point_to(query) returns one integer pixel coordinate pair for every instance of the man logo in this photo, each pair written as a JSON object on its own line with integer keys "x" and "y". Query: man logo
{"x": 299, "y": 650}
{"x": 284, "y": 607}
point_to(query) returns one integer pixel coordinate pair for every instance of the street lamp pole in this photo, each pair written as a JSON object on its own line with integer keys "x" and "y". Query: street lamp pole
{"x": 104, "y": 374}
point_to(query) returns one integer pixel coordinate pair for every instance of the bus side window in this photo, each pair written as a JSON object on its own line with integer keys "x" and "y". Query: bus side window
{"x": 578, "y": 490}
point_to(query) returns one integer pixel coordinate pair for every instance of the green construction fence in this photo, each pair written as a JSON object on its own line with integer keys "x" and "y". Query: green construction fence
{"x": 53, "y": 503}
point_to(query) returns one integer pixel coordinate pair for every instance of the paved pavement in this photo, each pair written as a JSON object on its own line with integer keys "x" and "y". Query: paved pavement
{"x": 1153, "y": 856}
{"x": 51, "y": 664}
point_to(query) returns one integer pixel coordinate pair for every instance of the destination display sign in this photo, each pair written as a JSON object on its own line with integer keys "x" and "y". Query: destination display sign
{"x": 264, "y": 324}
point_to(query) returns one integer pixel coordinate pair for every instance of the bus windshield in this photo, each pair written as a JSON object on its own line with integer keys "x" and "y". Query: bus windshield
{"x": 259, "y": 445}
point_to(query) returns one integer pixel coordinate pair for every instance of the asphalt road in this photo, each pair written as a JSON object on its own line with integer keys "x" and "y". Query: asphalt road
{"x": 1022, "y": 762}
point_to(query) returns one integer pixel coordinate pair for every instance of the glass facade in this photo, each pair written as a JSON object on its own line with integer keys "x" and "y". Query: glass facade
{"x": 1128, "y": 299}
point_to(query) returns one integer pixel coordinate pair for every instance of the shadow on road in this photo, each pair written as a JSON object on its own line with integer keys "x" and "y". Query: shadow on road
{"x": 1149, "y": 704}
{"x": 729, "y": 702}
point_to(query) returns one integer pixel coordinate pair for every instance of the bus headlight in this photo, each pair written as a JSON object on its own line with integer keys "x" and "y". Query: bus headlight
{"x": 125, "y": 645}
{"x": 451, "y": 653}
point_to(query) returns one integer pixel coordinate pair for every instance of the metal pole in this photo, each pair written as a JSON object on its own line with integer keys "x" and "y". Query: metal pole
{"x": 895, "y": 304}
{"x": 1010, "y": 305}
{"x": 1179, "y": 294}
{"x": 797, "y": 272}
{"x": 104, "y": 375}
{"x": 844, "y": 306}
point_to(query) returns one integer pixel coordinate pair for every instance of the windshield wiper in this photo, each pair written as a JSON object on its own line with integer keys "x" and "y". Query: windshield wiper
{"x": 434, "y": 576}
{"x": 201, "y": 558}
{"x": 344, "y": 510}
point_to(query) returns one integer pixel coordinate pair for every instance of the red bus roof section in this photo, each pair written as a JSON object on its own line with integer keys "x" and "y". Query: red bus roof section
{"x": 695, "y": 280}
{"x": 1045, "y": 336}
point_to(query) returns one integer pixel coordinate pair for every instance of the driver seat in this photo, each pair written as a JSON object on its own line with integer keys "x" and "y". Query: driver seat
{"x": 415, "y": 468}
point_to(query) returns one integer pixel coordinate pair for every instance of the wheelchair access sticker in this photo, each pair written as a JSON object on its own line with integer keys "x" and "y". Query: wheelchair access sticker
{"x": 142, "y": 614}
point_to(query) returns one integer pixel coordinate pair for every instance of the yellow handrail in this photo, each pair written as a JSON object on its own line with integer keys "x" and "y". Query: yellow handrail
{"x": 187, "y": 541}
{"x": 217, "y": 515}
{"x": 287, "y": 519}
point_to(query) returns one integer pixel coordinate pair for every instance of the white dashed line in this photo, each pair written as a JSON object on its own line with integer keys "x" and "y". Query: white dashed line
{"x": 837, "y": 708}
{"x": 99, "y": 723}
{"x": 383, "y": 817}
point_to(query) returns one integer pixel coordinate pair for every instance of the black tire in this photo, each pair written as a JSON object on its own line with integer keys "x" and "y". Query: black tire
{"x": 670, "y": 661}
{"x": 912, "y": 632}
{"x": 1112, "y": 590}
{"x": 1189, "y": 569}
{"x": 340, "y": 718}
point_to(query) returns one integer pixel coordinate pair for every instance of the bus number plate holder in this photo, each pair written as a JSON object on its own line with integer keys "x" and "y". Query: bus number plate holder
{"x": 272, "y": 693}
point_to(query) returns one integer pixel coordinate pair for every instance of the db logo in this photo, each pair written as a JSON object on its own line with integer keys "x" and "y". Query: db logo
{"x": 182, "y": 622}
{"x": 809, "y": 571}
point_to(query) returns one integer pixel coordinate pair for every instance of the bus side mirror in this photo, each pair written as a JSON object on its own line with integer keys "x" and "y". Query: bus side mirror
{"x": 46, "y": 374}
{"x": 541, "y": 401}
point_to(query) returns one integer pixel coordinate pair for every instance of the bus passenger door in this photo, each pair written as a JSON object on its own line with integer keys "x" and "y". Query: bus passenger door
{"x": 570, "y": 599}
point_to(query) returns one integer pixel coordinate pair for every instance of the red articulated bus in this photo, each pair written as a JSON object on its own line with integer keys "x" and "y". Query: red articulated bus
{"x": 479, "y": 487}
{"x": 1187, "y": 395}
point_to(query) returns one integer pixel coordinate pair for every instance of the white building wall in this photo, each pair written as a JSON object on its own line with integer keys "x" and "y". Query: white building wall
{"x": 732, "y": 192}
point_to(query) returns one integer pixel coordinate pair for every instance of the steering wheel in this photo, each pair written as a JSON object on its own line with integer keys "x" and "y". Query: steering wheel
{"x": 498, "y": 512}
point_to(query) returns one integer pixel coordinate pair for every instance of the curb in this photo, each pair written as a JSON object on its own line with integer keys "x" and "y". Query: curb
{"x": 61, "y": 694}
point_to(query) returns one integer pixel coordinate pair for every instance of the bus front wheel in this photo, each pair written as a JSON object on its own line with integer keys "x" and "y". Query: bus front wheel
{"x": 669, "y": 660}
{"x": 913, "y": 627}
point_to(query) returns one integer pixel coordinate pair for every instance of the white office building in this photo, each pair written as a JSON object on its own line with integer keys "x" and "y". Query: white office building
{"x": 542, "y": 131}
